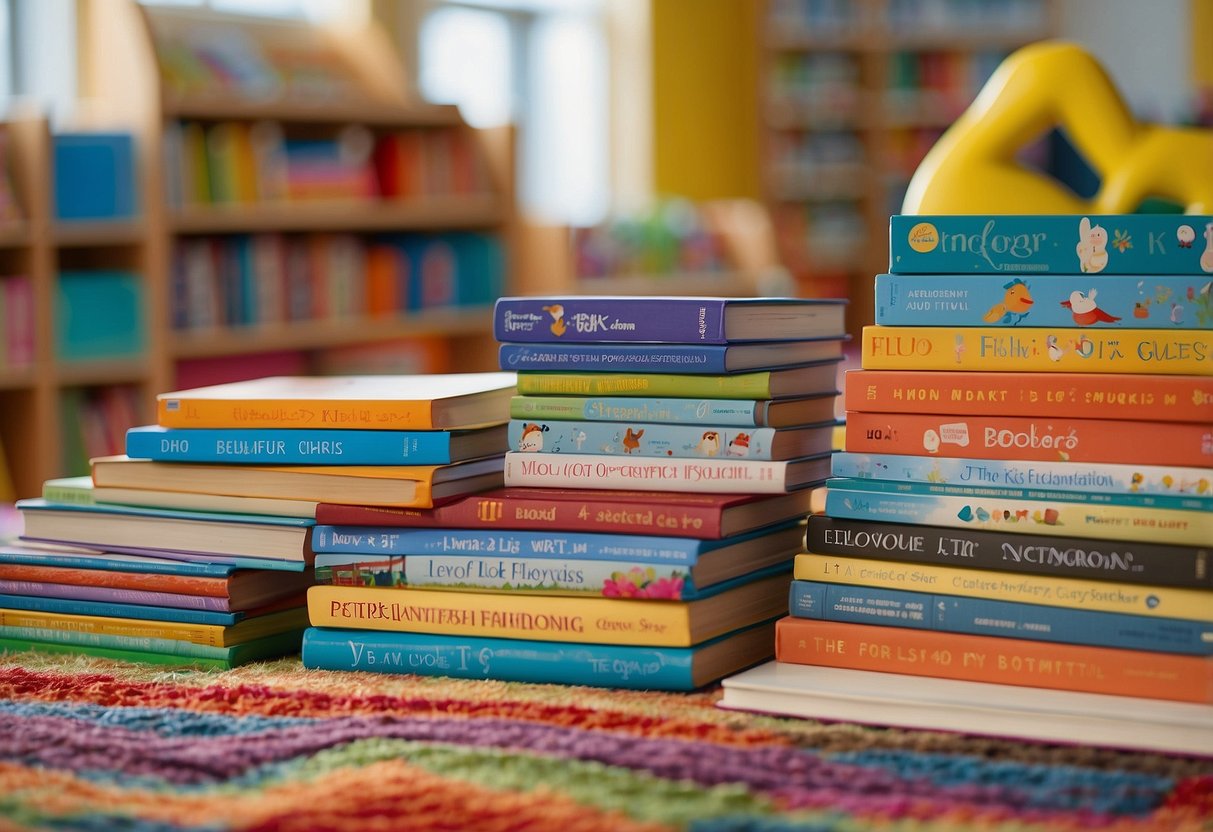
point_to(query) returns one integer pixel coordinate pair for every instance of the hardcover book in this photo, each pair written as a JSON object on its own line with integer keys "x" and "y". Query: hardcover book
{"x": 142, "y": 622}
{"x": 1145, "y": 244}
{"x": 666, "y": 320}
{"x": 1047, "y": 300}
{"x": 416, "y": 402}
{"x": 676, "y": 358}
{"x": 221, "y": 658}
{"x": 81, "y": 491}
{"x": 728, "y": 412}
{"x": 660, "y": 513}
{"x": 794, "y": 382}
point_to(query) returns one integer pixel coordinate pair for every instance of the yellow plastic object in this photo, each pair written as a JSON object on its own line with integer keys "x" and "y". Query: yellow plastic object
{"x": 972, "y": 169}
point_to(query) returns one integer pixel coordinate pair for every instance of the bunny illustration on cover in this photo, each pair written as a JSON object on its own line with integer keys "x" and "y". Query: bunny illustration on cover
{"x": 1092, "y": 247}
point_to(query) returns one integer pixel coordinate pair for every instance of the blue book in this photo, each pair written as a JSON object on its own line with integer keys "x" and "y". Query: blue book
{"x": 732, "y": 412}
{"x": 66, "y": 557}
{"x": 977, "y": 616}
{"x": 666, "y": 320}
{"x": 693, "y": 359}
{"x": 262, "y": 446}
{"x": 99, "y": 314}
{"x": 111, "y": 610}
{"x": 666, "y": 441}
{"x": 1140, "y": 244}
{"x": 94, "y": 176}
{"x": 1047, "y": 300}
{"x": 539, "y": 662}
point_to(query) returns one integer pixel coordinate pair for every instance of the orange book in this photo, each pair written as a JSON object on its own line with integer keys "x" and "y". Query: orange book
{"x": 1006, "y": 661}
{"x": 1028, "y": 438}
{"x": 1138, "y": 396}
{"x": 383, "y": 264}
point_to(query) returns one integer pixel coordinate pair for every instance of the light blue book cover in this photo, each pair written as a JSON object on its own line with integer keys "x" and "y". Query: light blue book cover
{"x": 1046, "y": 300}
{"x": 538, "y": 662}
{"x": 104, "y": 608}
{"x": 1140, "y": 244}
{"x": 1091, "y": 477}
{"x": 111, "y": 561}
{"x": 731, "y": 412}
{"x": 166, "y": 513}
{"x": 668, "y": 441}
{"x": 978, "y": 616}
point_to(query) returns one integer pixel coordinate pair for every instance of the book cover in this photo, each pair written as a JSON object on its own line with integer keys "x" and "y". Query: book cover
{"x": 558, "y": 663}
{"x": 269, "y": 647}
{"x": 751, "y": 476}
{"x": 666, "y": 514}
{"x": 1050, "y": 590}
{"x": 950, "y": 613}
{"x": 1045, "y": 300}
{"x": 1007, "y": 661}
{"x": 261, "y": 446}
{"x": 665, "y": 320}
{"x": 1122, "y": 561}
{"x": 1182, "y": 444}
{"x": 419, "y": 402}
{"x": 673, "y": 358}
{"x": 647, "y": 439}
{"x": 1017, "y": 516}
{"x": 114, "y": 595}
{"x": 727, "y": 412}
{"x": 1038, "y": 349}
{"x": 551, "y": 617}
{"x": 1153, "y": 244}
{"x": 89, "y": 559}
{"x": 818, "y": 377}
{"x": 1133, "y": 396}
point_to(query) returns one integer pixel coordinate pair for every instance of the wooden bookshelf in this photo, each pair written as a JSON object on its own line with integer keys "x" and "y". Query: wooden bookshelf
{"x": 437, "y": 213}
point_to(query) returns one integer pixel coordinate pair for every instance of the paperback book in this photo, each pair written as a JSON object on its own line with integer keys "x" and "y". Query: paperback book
{"x": 726, "y": 412}
{"x": 794, "y": 382}
{"x": 81, "y": 491}
{"x": 676, "y": 358}
{"x": 203, "y": 627}
{"x": 151, "y": 650}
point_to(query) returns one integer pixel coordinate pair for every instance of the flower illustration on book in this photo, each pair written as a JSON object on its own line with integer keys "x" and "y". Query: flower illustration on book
{"x": 643, "y": 583}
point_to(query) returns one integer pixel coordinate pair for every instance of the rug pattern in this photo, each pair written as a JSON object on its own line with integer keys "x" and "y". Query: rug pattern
{"x": 91, "y": 744}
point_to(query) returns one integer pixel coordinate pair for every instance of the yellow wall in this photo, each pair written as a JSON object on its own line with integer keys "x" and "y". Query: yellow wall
{"x": 1202, "y": 42}
{"x": 705, "y": 91}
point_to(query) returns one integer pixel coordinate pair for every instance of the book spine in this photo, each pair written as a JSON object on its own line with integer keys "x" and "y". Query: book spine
{"x": 108, "y": 577}
{"x": 1121, "y": 561}
{"x": 1061, "y": 519}
{"x": 113, "y": 595}
{"x": 198, "y": 633}
{"x": 613, "y": 358}
{"x": 502, "y": 615}
{"x": 716, "y": 476}
{"x": 1131, "y": 599}
{"x": 1007, "y": 661}
{"x": 1141, "y": 244}
{"x": 675, "y": 385}
{"x": 994, "y": 349}
{"x": 267, "y": 413}
{"x": 144, "y": 644}
{"x": 668, "y": 320}
{"x": 468, "y": 657}
{"x": 1130, "y": 396}
{"x": 1003, "y": 619}
{"x": 729, "y": 412}
{"x": 290, "y": 447}
{"x": 640, "y": 439}
{"x": 1031, "y": 438}
{"x": 137, "y": 656}
{"x": 1118, "y": 301}
{"x": 68, "y": 606}
{"x": 66, "y": 494}
{"x": 1102, "y": 478}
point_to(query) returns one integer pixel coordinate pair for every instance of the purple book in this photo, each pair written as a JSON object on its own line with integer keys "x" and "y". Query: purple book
{"x": 116, "y": 595}
{"x": 666, "y": 320}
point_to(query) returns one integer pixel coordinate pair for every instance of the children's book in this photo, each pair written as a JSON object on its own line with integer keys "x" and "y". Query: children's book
{"x": 676, "y": 358}
{"x": 727, "y": 412}
{"x": 81, "y": 491}
{"x": 795, "y": 382}
{"x": 203, "y": 627}
{"x": 419, "y": 402}
{"x": 162, "y": 651}
{"x": 666, "y": 320}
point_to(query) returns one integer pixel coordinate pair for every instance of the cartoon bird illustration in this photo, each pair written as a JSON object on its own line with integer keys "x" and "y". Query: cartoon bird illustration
{"x": 1085, "y": 311}
{"x": 631, "y": 440}
{"x": 1055, "y": 351}
{"x": 1016, "y": 304}
{"x": 558, "y": 326}
{"x": 739, "y": 446}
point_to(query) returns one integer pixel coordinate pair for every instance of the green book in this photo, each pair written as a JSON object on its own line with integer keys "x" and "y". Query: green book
{"x": 793, "y": 382}
{"x": 175, "y": 652}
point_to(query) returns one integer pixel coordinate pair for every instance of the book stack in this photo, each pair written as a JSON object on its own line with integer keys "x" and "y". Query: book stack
{"x": 1026, "y": 494}
{"x": 196, "y": 545}
{"x": 651, "y": 512}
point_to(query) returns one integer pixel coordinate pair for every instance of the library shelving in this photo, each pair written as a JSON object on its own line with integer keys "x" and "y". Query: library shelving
{"x": 852, "y": 94}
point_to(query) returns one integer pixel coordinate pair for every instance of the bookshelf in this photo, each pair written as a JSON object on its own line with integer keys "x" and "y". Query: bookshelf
{"x": 852, "y": 95}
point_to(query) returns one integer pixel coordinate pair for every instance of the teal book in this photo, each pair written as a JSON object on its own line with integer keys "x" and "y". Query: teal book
{"x": 99, "y": 314}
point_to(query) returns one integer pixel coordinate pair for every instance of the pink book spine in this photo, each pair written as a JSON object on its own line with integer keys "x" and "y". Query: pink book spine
{"x": 19, "y": 321}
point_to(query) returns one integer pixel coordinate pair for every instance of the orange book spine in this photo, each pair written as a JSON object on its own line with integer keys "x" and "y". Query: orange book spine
{"x": 1030, "y": 438}
{"x": 305, "y": 413}
{"x": 181, "y": 584}
{"x": 382, "y": 299}
{"x": 1137, "y": 396}
{"x": 1006, "y": 661}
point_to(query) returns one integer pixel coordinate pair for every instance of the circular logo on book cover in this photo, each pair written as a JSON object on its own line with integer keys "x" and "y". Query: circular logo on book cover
{"x": 923, "y": 237}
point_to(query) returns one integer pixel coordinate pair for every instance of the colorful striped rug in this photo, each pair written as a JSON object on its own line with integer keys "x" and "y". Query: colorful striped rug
{"x": 92, "y": 744}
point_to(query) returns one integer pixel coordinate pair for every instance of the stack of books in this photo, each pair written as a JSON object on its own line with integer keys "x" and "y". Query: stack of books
{"x": 651, "y": 513}
{"x": 196, "y": 546}
{"x": 1026, "y": 495}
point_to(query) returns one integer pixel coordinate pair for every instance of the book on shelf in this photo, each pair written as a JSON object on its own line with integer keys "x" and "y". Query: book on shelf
{"x": 551, "y": 617}
{"x": 81, "y": 491}
{"x": 1187, "y": 444}
{"x": 707, "y": 359}
{"x": 1121, "y": 561}
{"x": 99, "y": 314}
{"x": 590, "y": 510}
{"x": 809, "y": 410}
{"x": 320, "y": 446}
{"x": 551, "y": 662}
{"x": 149, "y": 650}
{"x": 721, "y": 476}
{"x": 1133, "y": 244}
{"x": 1005, "y": 661}
{"x": 18, "y": 343}
{"x": 413, "y": 486}
{"x": 666, "y": 320}
{"x": 954, "y": 613}
{"x": 94, "y": 176}
{"x": 789, "y": 383}
{"x": 981, "y": 708}
{"x": 641, "y": 439}
{"x": 1046, "y": 300}
{"x": 427, "y": 402}
{"x": 1038, "y": 349}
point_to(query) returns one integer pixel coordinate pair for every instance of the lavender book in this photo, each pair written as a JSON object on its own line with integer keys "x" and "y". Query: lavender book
{"x": 666, "y": 320}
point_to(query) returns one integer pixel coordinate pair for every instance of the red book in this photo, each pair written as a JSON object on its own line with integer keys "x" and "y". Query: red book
{"x": 665, "y": 514}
